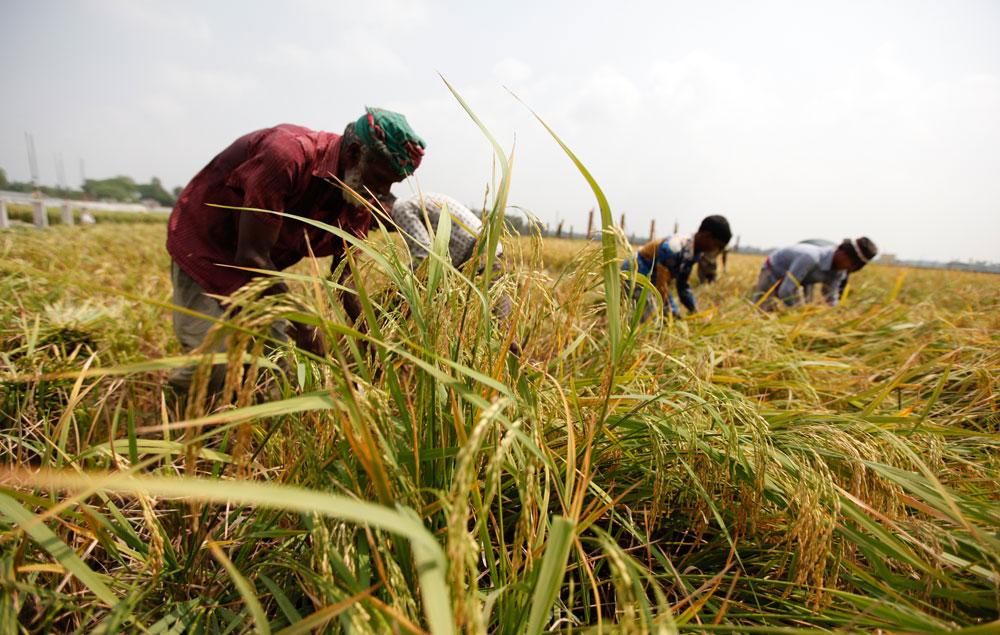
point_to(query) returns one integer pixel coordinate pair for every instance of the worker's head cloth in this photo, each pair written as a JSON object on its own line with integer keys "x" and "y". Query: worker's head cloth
{"x": 389, "y": 134}
{"x": 861, "y": 250}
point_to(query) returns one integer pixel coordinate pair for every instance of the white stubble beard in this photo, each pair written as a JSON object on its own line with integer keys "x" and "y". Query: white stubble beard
{"x": 354, "y": 180}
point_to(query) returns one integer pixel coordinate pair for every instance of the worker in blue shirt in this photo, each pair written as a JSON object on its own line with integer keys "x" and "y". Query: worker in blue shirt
{"x": 671, "y": 259}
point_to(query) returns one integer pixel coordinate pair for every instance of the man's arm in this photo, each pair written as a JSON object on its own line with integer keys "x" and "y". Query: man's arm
{"x": 661, "y": 280}
{"x": 666, "y": 262}
{"x": 266, "y": 178}
{"x": 351, "y": 303}
{"x": 254, "y": 241}
{"x": 684, "y": 290}
{"x": 790, "y": 289}
{"x": 349, "y": 299}
{"x": 832, "y": 291}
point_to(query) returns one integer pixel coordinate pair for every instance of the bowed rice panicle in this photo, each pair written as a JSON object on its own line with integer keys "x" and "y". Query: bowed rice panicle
{"x": 813, "y": 467}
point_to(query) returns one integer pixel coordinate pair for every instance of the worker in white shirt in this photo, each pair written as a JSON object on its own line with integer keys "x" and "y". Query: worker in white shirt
{"x": 415, "y": 217}
{"x": 789, "y": 270}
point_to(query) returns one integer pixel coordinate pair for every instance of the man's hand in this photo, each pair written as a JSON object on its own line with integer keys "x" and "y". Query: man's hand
{"x": 308, "y": 338}
{"x": 254, "y": 241}
{"x": 350, "y": 301}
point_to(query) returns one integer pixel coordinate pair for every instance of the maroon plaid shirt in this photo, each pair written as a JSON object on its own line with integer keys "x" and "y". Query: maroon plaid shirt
{"x": 279, "y": 169}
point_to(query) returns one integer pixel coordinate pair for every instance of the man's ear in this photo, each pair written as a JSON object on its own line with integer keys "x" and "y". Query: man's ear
{"x": 350, "y": 155}
{"x": 841, "y": 260}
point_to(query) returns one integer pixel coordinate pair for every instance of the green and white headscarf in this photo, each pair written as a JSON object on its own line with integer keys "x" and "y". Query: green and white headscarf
{"x": 389, "y": 134}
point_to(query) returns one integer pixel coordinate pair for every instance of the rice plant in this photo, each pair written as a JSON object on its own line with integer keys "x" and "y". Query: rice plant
{"x": 810, "y": 469}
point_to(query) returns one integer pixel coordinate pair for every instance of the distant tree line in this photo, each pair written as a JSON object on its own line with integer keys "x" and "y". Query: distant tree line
{"x": 120, "y": 189}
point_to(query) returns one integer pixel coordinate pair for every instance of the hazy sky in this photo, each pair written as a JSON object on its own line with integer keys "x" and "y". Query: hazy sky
{"x": 794, "y": 119}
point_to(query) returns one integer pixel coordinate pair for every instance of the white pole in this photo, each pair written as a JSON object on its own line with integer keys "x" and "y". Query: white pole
{"x": 4, "y": 220}
{"x": 38, "y": 209}
{"x": 67, "y": 213}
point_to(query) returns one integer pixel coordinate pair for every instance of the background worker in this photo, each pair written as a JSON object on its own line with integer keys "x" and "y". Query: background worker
{"x": 285, "y": 169}
{"x": 671, "y": 259}
{"x": 789, "y": 270}
{"x": 412, "y": 214}
{"x": 809, "y": 290}
{"x": 417, "y": 216}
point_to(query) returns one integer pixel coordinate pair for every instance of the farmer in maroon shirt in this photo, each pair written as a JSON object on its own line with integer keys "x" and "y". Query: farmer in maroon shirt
{"x": 285, "y": 169}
